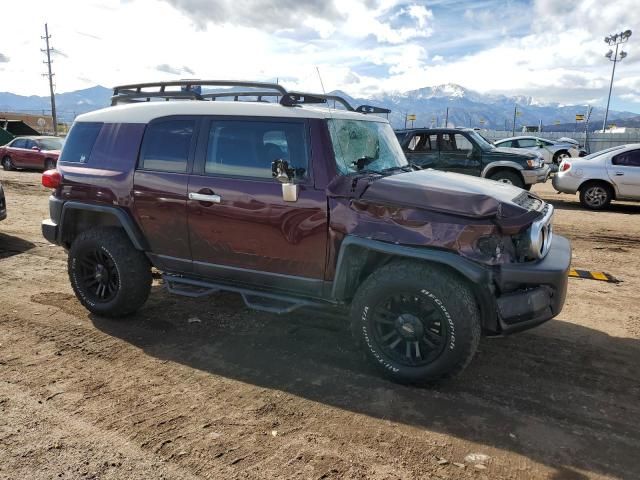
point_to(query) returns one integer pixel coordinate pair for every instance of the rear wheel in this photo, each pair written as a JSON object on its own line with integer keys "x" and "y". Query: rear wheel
{"x": 108, "y": 274}
{"x": 7, "y": 164}
{"x": 596, "y": 195}
{"x": 508, "y": 176}
{"x": 49, "y": 164}
{"x": 417, "y": 323}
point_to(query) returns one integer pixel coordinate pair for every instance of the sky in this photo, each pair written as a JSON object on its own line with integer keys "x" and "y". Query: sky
{"x": 552, "y": 50}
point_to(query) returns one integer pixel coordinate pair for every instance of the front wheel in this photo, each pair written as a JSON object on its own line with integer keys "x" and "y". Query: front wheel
{"x": 416, "y": 322}
{"x": 108, "y": 274}
{"x": 7, "y": 164}
{"x": 49, "y": 164}
{"x": 506, "y": 176}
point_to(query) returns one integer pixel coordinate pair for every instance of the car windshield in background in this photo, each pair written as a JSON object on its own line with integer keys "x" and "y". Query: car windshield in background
{"x": 50, "y": 144}
{"x": 602, "y": 152}
{"x": 483, "y": 142}
{"x": 365, "y": 146}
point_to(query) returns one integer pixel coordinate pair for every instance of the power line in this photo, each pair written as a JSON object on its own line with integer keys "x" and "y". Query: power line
{"x": 50, "y": 74}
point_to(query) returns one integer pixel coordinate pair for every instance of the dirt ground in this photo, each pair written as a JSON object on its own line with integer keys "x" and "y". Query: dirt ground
{"x": 240, "y": 394}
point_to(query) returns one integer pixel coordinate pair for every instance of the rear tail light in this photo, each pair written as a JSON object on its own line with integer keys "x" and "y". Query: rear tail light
{"x": 51, "y": 178}
{"x": 565, "y": 166}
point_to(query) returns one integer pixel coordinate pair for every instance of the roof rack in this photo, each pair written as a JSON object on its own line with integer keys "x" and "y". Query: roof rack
{"x": 192, "y": 90}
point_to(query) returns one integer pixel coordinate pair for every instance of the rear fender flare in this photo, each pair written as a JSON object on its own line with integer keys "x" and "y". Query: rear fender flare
{"x": 119, "y": 216}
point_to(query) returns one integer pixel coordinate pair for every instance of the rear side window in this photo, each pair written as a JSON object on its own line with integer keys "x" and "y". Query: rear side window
{"x": 248, "y": 148}
{"x": 19, "y": 143}
{"x": 166, "y": 146}
{"x": 80, "y": 141}
{"x": 627, "y": 159}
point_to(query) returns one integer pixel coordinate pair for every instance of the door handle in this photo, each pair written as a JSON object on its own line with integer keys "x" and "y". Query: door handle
{"x": 201, "y": 197}
{"x": 619, "y": 174}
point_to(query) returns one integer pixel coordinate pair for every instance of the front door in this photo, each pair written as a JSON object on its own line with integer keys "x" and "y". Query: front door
{"x": 624, "y": 171}
{"x": 32, "y": 156}
{"x": 457, "y": 154}
{"x": 422, "y": 150}
{"x": 160, "y": 189}
{"x": 240, "y": 227}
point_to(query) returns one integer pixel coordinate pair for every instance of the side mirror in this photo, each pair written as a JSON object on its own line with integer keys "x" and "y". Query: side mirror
{"x": 36, "y": 148}
{"x": 282, "y": 172}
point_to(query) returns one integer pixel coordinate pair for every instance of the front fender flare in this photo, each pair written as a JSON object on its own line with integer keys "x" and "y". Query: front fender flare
{"x": 355, "y": 251}
{"x": 500, "y": 164}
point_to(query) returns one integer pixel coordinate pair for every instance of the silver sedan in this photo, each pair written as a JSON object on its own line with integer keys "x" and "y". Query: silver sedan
{"x": 611, "y": 174}
{"x": 553, "y": 151}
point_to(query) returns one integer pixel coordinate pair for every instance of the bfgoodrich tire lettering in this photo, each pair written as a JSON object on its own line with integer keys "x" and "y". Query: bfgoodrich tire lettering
{"x": 108, "y": 275}
{"x": 416, "y": 322}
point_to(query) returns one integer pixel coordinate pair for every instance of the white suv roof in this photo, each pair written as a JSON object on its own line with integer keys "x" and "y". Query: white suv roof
{"x": 144, "y": 112}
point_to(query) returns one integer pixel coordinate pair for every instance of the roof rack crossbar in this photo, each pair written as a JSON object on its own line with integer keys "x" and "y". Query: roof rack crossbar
{"x": 191, "y": 89}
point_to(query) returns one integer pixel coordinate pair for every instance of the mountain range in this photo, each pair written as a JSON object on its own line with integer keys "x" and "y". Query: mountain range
{"x": 429, "y": 104}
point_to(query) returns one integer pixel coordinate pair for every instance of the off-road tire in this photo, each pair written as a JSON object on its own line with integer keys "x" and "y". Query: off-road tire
{"x": 132, "y": 268}
{"x": 451, "y": 299}
{"x": 49, "y": 164}
{"x": 7, "y": 164}
{"x": 592, "y": 191}
{"x": 507, "y": 176}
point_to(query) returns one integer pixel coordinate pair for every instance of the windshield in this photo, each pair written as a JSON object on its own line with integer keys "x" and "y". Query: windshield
{"x": 481, "y": 141}
{"x": 602, "y": 152}
{"x": 50, "y": 143}
{"x": 361, "y": 145}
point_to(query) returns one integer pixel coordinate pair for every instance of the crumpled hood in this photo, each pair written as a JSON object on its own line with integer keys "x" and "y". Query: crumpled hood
{"x": 516, "y": 153}
{"x": 447, "y": 192}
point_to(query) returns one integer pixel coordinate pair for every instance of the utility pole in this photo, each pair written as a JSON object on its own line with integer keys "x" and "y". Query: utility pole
{"x": 446, "y": 119}
{"x": 515, "y": 111}
{"x": 615, "y": 39}
{"x": 48, "y": 61}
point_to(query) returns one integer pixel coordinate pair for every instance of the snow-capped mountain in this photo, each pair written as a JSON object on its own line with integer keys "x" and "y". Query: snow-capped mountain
{"x": 466, "y": 107}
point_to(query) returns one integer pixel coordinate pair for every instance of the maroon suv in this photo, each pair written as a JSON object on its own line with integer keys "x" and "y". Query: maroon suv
{"x": 294, "y": 206}
{"x": 38, "y": 153}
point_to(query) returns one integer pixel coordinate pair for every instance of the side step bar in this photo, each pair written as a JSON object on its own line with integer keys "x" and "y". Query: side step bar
{"x": 254, "y": 299}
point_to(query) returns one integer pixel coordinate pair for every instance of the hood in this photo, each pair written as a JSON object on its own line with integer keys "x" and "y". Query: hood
{"x": 453, "y": 193}
{"x": 519, "y": 153}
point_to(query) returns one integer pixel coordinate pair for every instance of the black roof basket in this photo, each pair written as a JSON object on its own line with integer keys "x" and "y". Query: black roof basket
{"x": 192, "y": 90}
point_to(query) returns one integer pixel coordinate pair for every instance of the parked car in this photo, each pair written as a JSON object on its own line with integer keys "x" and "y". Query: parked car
{"x": 291, "y": 207}
{"x": 611, "y": 174}
{"x": 463, "y": 150}
{"x": 553, "y": 151}
{"x": 39, "y": 153}
{"x": 3, "y": 204}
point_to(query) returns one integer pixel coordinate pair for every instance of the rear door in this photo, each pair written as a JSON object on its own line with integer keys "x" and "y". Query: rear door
{"x": 240, "y": 227}
{"x": 160, "y": 189}
{"x": 457, "y": 154}
{"x": 422, "y": 149}
{"x": 624, "y": 171}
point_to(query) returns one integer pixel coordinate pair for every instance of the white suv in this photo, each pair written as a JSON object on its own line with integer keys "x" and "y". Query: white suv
{"x": 611, "y": 174}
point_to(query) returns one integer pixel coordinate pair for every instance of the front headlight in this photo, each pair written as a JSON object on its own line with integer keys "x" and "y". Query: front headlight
{"x": 536, "y": 241}
{"x": 535, "y": 163}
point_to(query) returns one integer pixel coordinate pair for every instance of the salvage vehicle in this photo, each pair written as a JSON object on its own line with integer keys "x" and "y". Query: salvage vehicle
{"x": 3, "y": 204}
{"x": 463, "y": 150}
{"x": 553, "y": 151}
{"x": 39, "y": 153}
{"x": 611, "y": 174}
{"x": 294, "y": 205}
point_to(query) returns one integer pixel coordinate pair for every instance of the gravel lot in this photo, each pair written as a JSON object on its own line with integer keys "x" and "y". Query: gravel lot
{"x": 234, "y": 393}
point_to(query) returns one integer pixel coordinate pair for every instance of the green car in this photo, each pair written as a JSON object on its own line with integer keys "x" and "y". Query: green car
{"x": 463, "y": 150}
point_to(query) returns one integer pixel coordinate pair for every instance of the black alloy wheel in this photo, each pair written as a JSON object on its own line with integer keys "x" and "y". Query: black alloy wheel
{"x": 410, "y": 329}
{"x": 99, "y": 275}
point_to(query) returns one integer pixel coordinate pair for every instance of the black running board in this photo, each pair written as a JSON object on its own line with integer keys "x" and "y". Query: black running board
{"x": 254, "y": 299}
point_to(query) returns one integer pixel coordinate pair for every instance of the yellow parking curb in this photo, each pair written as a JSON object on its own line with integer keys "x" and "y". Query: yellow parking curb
{"x": 586, "y": 274}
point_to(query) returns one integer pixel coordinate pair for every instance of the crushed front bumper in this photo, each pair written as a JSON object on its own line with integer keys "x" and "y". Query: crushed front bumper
{"x": 536, "y": 175}
{"x": 532, "y": 293}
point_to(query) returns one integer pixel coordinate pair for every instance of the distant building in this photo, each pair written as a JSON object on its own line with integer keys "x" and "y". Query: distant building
{"x": 43, "y": 124}
{"x": 614, "y": 129}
